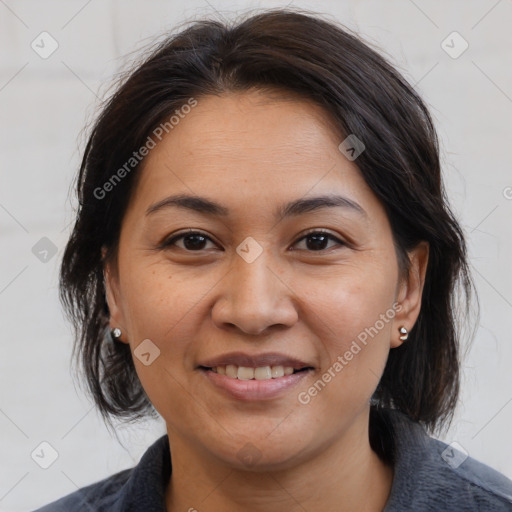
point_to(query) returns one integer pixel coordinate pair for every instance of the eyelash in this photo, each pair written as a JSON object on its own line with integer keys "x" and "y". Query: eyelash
{"x": 174, "y": 239}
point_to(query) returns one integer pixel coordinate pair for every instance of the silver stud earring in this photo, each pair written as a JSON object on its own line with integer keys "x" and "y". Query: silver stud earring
{"x": 404, "y": 333}
{"x": 116, "y": 333}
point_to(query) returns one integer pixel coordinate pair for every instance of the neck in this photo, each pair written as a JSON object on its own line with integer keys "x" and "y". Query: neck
{"x": 335, "y": 478}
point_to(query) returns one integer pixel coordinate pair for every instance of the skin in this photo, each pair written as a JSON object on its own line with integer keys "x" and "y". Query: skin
{"x": 253, "y": 152}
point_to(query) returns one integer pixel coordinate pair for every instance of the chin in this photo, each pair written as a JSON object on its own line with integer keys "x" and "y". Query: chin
{"x": 260, "y": 454}
{"x": 250, "y": 458}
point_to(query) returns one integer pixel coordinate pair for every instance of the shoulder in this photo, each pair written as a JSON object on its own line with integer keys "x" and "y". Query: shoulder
{"x": 139, "y": 488}
{"x": 431, "y": 475}
{"x": 100, "y": 496}
{"x": 484, "y": 486}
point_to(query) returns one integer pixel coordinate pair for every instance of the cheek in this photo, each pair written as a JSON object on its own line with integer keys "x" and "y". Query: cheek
{"x": 351, "y": 316}
{"x": 158, "y": 299}
{"x": 162, "y": 306}
{"x": 345, "y": 303}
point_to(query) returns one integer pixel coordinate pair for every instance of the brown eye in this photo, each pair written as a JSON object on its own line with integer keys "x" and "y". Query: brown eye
{"x": 318, "y": 240}
{"x": 192, "y": 241}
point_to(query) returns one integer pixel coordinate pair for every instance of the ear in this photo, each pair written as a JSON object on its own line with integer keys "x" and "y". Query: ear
{"x": 111, "y": 282}
{"x": 409, "y": 293}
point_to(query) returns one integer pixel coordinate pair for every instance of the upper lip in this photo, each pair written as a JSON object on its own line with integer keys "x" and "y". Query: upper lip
{"x": 255, "y": 360}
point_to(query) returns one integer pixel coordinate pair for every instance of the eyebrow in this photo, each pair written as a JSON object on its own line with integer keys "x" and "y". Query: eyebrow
{"x": 294, "y": 208}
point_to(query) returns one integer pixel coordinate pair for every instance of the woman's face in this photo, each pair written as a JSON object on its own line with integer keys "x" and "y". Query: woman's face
{"x": 199, "y": 286}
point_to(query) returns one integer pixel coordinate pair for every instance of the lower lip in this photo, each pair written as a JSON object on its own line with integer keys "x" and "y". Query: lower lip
{"x": 255, "y": 389}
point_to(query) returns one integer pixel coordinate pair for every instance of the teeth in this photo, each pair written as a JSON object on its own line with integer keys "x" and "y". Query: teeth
{"x": 277, "y": 371}
{"x": 263, "y": 373}
{"x": 260, "y": 373}
{"x": 232, "y": 371}
{"x": 245, "y": 373}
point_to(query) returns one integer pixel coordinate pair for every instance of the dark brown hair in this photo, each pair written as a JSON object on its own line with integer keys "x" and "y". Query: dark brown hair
{"x": 301, "y": 53}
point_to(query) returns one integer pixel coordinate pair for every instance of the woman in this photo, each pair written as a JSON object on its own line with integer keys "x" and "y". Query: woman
{"x": 264, "y": 255}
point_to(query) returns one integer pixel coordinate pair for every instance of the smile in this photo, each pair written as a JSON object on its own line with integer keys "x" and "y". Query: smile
{"x": 255, "y": 384}
{"x": 261, "y": 373}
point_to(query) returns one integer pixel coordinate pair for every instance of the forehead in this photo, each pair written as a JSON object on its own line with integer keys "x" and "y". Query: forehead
{"x": 269, "y": 119}
{"x": 242, "y": 146}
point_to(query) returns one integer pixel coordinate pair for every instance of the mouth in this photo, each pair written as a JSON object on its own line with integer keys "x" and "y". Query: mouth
{"x": 259, "y": 373}
{"x": 255, "y": 383}
{"x": 254, "y": 377}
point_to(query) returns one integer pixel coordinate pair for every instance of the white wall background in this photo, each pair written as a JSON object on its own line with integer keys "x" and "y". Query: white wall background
{"x": 44, "y": 104}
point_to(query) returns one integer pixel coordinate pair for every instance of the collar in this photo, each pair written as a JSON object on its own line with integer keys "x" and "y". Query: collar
{"x": 145, "y": 488}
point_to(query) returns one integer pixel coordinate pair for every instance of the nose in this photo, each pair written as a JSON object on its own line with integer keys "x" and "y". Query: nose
{"x": 253, "y": 298}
